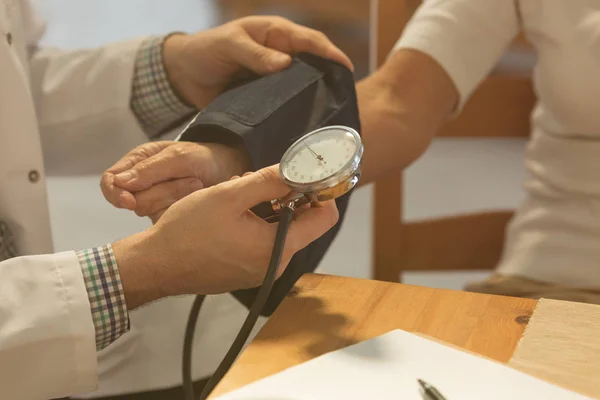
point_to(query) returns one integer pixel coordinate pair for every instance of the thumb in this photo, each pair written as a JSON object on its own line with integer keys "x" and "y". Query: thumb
{"x": 257, "y": 187}
{"x": 259, "y": 59}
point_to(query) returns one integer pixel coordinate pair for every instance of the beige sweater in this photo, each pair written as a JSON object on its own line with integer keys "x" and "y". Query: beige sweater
{"x": 555, "y": 235}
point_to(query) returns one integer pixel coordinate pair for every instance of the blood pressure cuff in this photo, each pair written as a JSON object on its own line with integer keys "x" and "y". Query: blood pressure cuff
{"x": 265, "y": 116}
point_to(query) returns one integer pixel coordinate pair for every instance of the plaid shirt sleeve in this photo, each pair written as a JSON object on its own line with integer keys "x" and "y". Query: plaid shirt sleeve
{"x": 105, "y": 292}
{"x": 7, "y": 243}
{"x": 153, "y": 101}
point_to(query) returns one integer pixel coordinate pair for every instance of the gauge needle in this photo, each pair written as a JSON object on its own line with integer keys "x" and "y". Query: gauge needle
{"x": 317, "y": 156}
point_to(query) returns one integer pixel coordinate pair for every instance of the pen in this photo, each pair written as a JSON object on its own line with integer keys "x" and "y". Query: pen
{"x": 429, "y": 392}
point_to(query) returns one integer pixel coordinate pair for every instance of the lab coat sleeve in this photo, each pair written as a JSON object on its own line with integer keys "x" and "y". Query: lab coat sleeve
{"x": 47, "y": 337}
{"x": 82, "y": 100}
{"x": 466, "y": 37}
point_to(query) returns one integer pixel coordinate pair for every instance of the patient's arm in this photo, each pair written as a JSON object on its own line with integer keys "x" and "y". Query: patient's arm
{"x": 401, "y": 107}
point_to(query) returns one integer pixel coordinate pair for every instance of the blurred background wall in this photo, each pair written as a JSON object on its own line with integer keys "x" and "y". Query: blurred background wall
{"x": 455, "y": 175}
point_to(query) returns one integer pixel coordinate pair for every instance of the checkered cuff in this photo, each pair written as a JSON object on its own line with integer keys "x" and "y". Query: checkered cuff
{"x": 8, "y": 248}
{"x": 153, "y": 100}
{"x": 107, "y": 300}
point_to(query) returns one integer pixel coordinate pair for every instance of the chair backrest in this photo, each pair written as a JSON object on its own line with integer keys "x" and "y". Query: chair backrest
{"x": 500, "y": 107}
{"x": 328, "y": 10}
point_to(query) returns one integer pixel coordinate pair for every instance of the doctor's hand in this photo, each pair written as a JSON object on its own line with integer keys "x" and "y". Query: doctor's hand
{"x": 202, "y": 65}
{"x": 209, "y": 242}
{"x": 151, "y": 177}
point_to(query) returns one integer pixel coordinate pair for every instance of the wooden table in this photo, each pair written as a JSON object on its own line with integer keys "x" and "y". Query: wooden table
{"x": 325, "y": 313}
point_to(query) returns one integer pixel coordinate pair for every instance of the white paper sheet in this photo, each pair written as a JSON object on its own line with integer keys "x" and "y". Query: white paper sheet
{"x": 387, "y": 367}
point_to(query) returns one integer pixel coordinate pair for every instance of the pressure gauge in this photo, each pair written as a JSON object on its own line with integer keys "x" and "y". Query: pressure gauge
{"x": 322, "y": 165}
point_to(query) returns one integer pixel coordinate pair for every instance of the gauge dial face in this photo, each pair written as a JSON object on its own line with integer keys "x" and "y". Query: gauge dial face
{"x": 320, "y": 155}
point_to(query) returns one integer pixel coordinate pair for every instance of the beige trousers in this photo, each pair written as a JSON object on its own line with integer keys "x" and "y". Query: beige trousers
{"x": 516, "y": 286}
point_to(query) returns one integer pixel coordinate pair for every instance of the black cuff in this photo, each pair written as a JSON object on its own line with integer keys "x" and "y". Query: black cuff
{"x": 265, "y": 116}
{"x": 268, "y": 114}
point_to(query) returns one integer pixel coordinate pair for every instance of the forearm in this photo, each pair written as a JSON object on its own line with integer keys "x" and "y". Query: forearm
{"x": 142, "y": 270}
{"x": 445, "y": 51}
{"x": 402, "y": 106}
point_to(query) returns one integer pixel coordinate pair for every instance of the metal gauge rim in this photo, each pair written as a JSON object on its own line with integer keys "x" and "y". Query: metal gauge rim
{"x": 345, "y": 172}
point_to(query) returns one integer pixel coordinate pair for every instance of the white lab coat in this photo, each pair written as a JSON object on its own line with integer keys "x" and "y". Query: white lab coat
{"x": 69, "y": 111}
{"x": 47, "y": 345}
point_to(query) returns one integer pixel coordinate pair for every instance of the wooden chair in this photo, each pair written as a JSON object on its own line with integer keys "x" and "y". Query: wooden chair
{"x": 501, "y": 107}
{"x": 355, "y": 11}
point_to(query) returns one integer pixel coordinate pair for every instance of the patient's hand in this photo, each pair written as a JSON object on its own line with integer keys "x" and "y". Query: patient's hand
{"x": 153, "y": 176}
